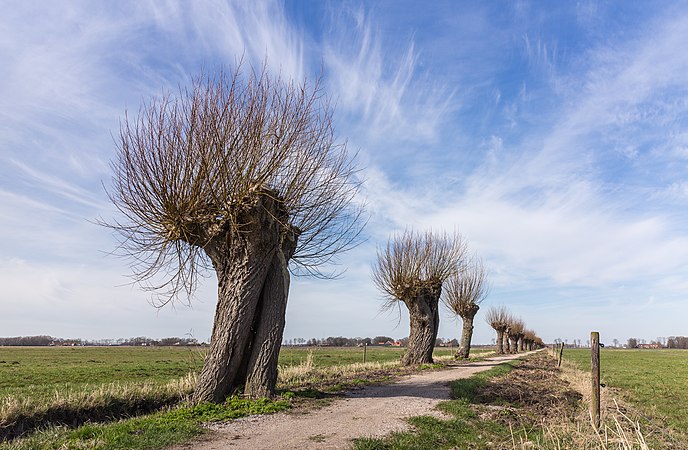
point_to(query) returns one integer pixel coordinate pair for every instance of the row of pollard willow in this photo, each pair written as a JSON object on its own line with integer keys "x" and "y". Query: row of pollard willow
{"x": 512, "y": 335}
{"x": 595, "y": 384}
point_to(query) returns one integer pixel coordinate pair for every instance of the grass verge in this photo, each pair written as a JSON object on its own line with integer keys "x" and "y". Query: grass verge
{"x": 514, "y": 405}
{"x": 100, "y": 404}
{"x": 154, "y": 431}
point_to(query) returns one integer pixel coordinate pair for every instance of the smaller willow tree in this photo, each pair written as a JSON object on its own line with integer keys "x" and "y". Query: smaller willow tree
{"x": 465, "y": 290}
{"x": 529, "y": 337}
{"x": 515, "y": 331}
{"x": 498, "y": 318}
{"x": 411, "y": 269}
{"x": 239, "y": 173}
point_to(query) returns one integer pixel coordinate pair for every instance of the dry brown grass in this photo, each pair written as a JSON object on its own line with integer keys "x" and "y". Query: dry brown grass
{"x": 306, "y": 374}
{"x": 548, "y": 407}
{"x": 99, "y": 403}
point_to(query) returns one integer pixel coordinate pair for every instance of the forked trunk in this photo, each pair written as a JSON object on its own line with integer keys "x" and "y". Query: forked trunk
{"x": 239, "y": 287}
{"x": 467, "y": 333}
{"x": 262, "y": 374}
{"x": 424, "y": 320}
{"x": 500, "y": 342}
{"x": 253, "y": 283}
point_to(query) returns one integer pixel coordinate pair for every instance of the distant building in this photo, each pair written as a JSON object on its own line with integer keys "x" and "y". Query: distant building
{"x": 649, "y": 346}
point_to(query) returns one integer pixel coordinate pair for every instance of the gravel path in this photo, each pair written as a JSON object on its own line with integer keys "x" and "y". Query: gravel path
{"x": 371, "y": 411}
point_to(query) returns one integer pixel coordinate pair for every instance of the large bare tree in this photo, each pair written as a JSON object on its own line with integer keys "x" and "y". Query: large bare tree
{"x": 498, "y": 318}
{"x": 465, "y": 290}
{"x": 239, "y": 172}
{"x": 412, "y": 269}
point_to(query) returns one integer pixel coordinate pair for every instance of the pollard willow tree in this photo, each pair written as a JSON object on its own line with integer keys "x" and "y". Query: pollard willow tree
{"x": 465, "y": 290}
{"x": 515, "y": 331}
{"x": 498, "y": 318}
{"x": 241, "y": 173}
{"x": 411, "y": 269}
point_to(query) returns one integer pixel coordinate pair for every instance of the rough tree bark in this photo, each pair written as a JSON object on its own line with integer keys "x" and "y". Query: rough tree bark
{"x": 262, "y": 377}
{"x": 424, "y": 320}
{"x": 507, "y": 346}
{"x": 500, "y": 342}
{"x": 521, "y": 344}
{"x": 467, "y": 332}
{"x": 252, "y": 294}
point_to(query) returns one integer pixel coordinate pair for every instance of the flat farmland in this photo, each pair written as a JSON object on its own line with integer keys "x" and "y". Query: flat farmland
{"x": 656, "y": 381}
{"x": 39, "y": 372}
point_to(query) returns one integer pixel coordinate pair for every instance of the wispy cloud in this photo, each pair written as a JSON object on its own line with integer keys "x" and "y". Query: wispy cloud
{"x": 380, "y": 82}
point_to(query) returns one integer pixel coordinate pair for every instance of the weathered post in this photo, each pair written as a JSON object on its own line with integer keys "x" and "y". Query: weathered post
{"x": 561, "y": 353}
{"x": 595, "y": 360}
{"x": 365, "y": 349}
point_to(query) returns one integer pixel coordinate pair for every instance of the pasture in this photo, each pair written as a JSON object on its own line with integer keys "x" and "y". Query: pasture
{"x": 656, "y": 381}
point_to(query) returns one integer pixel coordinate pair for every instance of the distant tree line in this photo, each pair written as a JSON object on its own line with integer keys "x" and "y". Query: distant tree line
{"x": 46, "y": 341}
{"x": 341, "y": 341}
{"x": 680, "y": 342}
{"x": 677, "y": 342}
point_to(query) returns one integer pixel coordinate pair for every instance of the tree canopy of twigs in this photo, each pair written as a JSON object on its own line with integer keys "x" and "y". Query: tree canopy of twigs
{"x": 412, "y": 269}
{"x": 464, "y": 291}
{"x": 498, "y": 318}
{"x": 240, "y": 171}
{"x": 412, "y": 261}
{"x": 190, "y": 163}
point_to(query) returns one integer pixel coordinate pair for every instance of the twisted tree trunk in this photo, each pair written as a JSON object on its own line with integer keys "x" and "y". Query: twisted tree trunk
{"x": 424, "y": 321}
{"x": 467, "y": 332}
{"x": 253, "y": 282}
{"x": 262, "y": 375}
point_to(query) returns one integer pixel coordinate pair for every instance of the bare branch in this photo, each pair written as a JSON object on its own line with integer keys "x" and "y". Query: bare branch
{"x": 498, "y": 318}
{"x": 413, "y": 261}
{"x": 466, "y": 289}
{"x": 190, "y": 165}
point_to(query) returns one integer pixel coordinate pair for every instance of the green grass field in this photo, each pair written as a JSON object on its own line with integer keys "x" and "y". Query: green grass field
{"x": 654, "y": 380}
{"x": 40, "y": 371}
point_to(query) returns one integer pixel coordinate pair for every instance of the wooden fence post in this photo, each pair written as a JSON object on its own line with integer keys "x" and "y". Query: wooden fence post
{"x": 595, "y": 367}
{"x": 365, "y": 348}
{"x": 561, "y": 353}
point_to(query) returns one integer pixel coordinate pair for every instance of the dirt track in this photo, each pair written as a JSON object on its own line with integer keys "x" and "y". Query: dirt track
{"x": 370, "y": 411}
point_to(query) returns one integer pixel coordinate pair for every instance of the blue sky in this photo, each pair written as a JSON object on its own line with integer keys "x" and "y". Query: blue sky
{"x": 552, "y": 135}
